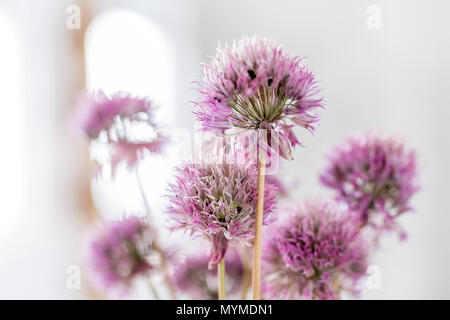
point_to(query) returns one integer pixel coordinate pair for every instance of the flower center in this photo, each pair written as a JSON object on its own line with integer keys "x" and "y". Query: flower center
{"x": 259, "y": 110}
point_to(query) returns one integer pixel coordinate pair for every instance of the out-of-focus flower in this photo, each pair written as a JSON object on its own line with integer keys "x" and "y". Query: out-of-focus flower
{"x": 279, "y": 185}
{"x": 255, "y": 84}
{"x": 217, "y": 202}
{"x": 197, "y": 281}
{"x": 131, "y": 152}
{"x": 120, "y": 251}
{"x": 315, "y": 252}
{"x": 375, "y": 176}
{"x": 97, "y": 112}
{"x": 113, "y": 120}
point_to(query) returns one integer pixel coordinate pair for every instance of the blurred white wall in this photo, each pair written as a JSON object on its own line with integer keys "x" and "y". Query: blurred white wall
{"x": 392, "y": 78}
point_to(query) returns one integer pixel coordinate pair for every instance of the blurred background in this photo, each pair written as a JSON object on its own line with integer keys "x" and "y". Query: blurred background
{"x": 384, "y": 65}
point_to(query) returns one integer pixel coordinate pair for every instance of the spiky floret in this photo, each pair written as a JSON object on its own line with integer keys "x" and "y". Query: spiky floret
{"x": 217, "y": 202}
{"x": 112, "y": 120}
{"x": 255, "y": 84}
{"x": 315, "y": 251}
{"x": 119, "y": 252}
{"x": 375, "y": 175}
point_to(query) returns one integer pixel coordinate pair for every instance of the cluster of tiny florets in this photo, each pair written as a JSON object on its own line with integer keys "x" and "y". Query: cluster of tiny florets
{"x": 375, "y": 175}
{"x": 217, "y": 201}
{"x": 255, "y": 84}
{"x": 194, "y": 279}
{"x": 316, "y": 251}
{"x": 111, "y": 119}
{"x": 119, "y": 252}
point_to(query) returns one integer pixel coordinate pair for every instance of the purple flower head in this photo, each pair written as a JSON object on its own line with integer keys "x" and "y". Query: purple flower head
{"x": 316, "y": 251}
{"x": 197, "y": 281}
{"x": 256, "y": 84}
{"x": 113, "y": 121}
{"x": 131, "y": 152}
{"x": 217, "y": 202}
{"x": 119, "y": 253}
{"x": 97, "y": 112}
{"x": 375, "y": 176}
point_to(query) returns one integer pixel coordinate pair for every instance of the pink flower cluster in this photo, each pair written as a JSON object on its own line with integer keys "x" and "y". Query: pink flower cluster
{"x": 217, "y": 201}
{"x": 255, "y": 84}
{"x": 375, "y": 176}
{"x": 120, "y": 250}
{"x": 110, "y": 119}
{"x": 97, "y": 112}
{"x": 256, "y": 93}
{"x": 316, "y": 251}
